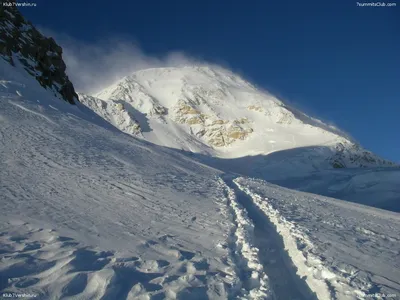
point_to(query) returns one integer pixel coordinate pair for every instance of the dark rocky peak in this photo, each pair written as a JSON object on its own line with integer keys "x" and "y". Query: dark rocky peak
{"x": 40, "y": 56}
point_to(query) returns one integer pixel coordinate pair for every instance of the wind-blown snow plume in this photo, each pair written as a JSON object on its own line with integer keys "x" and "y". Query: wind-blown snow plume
{"x": 92, "y": 66}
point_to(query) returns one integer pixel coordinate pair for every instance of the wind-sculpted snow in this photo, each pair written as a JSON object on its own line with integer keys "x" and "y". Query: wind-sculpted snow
{"x": 39, "y": 263}
{"x": 344, "y": 250}
{"x": 90, "y": 213}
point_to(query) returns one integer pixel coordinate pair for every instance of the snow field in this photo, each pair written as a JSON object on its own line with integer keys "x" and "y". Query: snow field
{"x": 328, "y": 242}
{"x": 96, "y": 214}
{"x": 40, "y": 262}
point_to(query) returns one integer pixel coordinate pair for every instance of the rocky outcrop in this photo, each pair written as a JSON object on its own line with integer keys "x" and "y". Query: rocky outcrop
{"x": 113, "y": 112}
{"x": 143, "y": 101}
{"x": 255, "y": 108}
{"x": 216, "y": 132}
{"x": 40, "y": 56}
{"x": 219, "y": 136}
{"x": 349, "y": 155}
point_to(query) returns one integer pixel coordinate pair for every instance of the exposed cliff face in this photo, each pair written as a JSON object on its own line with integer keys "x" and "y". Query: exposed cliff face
{"x": 41, "y": 56}
{"x": 211, "y": 129}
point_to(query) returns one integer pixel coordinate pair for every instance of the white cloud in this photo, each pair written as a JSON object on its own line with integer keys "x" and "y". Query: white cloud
{"x": 92, "y": 66}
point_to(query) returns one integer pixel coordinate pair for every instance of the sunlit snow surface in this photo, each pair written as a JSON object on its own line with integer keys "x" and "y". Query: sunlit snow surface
{"x": 215, "y": 94}
{"x": 345, "y": 250}
{"x": 91, "y": 213}
{"x": 68, "y": 183}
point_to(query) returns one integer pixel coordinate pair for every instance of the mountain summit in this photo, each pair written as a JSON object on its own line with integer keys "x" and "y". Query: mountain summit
{"x": 212, "y": 111}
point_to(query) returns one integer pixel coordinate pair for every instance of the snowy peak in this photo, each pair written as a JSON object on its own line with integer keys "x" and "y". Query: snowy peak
{"x": 212, "y": 111}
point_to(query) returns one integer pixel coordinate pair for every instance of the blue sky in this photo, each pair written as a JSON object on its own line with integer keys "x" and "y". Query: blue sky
{"x": 332, "y": 59}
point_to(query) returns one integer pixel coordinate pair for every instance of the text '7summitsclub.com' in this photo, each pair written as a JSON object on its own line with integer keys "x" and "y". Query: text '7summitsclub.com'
{"x": 376, "y": 4}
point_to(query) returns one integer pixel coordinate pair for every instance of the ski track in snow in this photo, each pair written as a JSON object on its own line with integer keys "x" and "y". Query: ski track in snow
{"x": 254, "y": 282}
{"x": 332, "y": 242}
{"x": 268, "y": 272}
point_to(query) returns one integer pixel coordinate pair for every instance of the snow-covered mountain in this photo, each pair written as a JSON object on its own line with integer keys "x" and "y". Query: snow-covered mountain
{"x": 89, "y": 212}
{"x": 219, "y": 119}
{"x": 211, "y": 111}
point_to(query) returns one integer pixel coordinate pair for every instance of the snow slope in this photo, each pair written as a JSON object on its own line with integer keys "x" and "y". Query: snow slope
{"x": 378, "y": 187}
{"x": 342, "y": 250}
{"x": 93, "y": 213}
